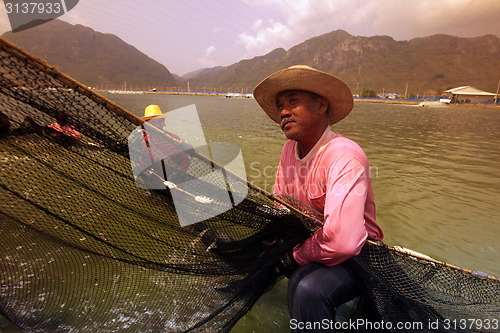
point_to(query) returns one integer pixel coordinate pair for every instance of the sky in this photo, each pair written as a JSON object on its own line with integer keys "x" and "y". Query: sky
{"x": 187, "y": 35}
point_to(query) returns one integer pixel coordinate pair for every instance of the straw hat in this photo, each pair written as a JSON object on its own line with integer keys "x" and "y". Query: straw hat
{"x": 153, "y": 111}
{"x": 301, "y": 77}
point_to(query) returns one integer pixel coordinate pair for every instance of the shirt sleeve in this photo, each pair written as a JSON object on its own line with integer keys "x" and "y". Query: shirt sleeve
{"x": 278, "y": 182}
{"x": 343, "y": 233}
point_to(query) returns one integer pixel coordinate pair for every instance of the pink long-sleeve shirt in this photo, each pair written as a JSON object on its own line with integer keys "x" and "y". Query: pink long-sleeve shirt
{"x": 333, "y": 178}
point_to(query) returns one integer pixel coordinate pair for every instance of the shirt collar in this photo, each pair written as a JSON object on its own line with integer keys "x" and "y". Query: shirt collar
{"x": 318, "y": 147}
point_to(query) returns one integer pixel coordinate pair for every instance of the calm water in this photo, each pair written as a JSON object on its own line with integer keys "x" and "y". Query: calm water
{"x": 435, "y": 173}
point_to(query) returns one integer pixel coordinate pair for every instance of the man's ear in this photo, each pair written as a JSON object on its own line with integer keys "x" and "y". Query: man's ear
{"x": 323, "y": 105}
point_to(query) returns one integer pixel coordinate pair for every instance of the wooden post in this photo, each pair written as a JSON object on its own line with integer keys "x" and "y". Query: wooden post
{"x": 496, "y": 96}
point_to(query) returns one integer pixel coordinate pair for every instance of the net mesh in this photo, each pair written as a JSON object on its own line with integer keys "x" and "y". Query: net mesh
{"x": 84, "y": 248}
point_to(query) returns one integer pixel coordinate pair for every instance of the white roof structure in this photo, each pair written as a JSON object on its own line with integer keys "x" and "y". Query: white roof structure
{"x": 468, "y": 90}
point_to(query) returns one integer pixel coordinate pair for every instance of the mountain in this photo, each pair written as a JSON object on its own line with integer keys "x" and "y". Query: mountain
{"x": 426, "y": 65}
{"x": 379, "y": 63}
{"x": 93, "y": 58}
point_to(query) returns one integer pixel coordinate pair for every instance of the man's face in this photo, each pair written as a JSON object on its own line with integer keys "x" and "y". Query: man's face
{"x": 302, "y": 114}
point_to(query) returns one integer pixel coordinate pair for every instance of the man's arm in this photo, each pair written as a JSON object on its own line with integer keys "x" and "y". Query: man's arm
{"x": 344, "y": 232}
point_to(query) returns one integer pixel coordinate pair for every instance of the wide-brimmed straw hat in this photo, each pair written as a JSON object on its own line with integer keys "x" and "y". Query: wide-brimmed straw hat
{"x": 301, "y": 77}
{"x": 153, "y": 111}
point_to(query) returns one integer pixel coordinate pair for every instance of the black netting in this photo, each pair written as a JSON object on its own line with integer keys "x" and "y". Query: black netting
{"x": 410, "y": 288}
{"x": 84, "y": 248}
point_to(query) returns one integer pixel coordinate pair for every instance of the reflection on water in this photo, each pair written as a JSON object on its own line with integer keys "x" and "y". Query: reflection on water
{"x": 437, "y": 186}
{"x": 435, "y": 173}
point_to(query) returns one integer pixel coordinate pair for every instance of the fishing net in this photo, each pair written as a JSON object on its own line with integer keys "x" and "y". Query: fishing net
{"x": 86, "y": 248}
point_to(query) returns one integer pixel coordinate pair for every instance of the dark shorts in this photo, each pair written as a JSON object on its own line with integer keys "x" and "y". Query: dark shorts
{"x": 315, "y": 290}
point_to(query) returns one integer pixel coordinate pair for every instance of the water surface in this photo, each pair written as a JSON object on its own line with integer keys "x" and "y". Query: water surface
{"x": 435, "y": 173}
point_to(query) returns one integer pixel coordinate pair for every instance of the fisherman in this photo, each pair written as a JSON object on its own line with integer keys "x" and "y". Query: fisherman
{"x": 325, "y": 171}
{"x": 160, "y": 160}
{"x": 154, "y": 116}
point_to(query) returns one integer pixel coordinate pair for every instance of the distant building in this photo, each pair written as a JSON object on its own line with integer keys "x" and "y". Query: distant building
{"x": 392, "y": 95}
{"x": 388, "y": 95}
{"x": 468, "y": 94}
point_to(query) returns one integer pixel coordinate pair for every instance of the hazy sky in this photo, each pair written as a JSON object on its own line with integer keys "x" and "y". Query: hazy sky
{"x": 187, "y": 35}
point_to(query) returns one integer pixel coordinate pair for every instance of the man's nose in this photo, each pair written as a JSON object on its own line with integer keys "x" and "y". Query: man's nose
{"x": 285, "y": 112}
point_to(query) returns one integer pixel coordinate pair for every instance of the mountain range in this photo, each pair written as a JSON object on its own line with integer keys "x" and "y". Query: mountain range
{"x": 91, "y": 57}
{"x": 380, "y": 63}
{"x": 426, "y": 65}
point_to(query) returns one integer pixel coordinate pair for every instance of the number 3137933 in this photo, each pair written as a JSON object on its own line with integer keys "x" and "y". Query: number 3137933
{"x": 34, "y": 7}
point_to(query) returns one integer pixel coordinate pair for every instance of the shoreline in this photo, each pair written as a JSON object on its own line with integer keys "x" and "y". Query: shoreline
{"x": 356, "y": 100}
{"x": 442, "y": 105}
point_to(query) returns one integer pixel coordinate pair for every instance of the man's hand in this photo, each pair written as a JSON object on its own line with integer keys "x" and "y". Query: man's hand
{"x": 287, "y": 264}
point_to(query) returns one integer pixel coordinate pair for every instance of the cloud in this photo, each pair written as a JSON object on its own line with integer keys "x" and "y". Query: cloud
{"x": 265, "y": 36}
{"x": 289, "y": 23}
{"x": 406, "y": 19}
{"x": 206, "y": 61}
{"x": 211, "y": 49}
{"x": 258, "y": 24}
{"x": 423, "y": 18}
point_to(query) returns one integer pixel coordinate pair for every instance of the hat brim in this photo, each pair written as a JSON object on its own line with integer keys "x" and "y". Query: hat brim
{"x": 155, "y": 116}
{"x": 305, "y": 78}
